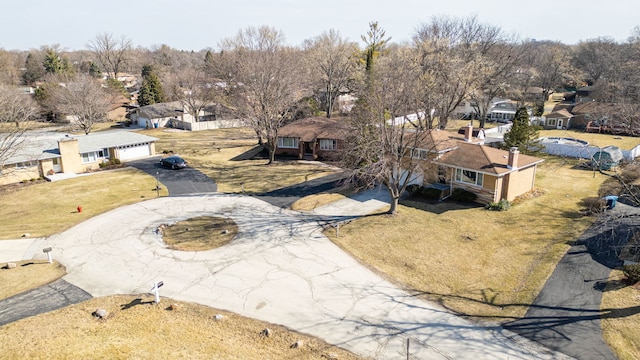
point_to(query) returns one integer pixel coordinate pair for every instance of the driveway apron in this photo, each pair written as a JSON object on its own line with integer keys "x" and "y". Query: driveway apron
{"x": 178, "y": 182}
{"x": 280, "y": 268}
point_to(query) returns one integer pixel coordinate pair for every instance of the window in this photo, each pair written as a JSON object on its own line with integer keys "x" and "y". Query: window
{"x": 469, "y": 177}
{"x": 89, "y": 157}
{"x": 25, "y": 164}
{"x": 328, "y": 144}
{"x": 104, "y": 153}
{"x": 419, "y": 154}
{"x": 288, "y": 142}
{"x": 551, "y": 122}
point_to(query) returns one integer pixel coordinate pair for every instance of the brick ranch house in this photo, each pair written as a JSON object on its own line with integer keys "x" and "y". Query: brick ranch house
{"x": 316, "y": 138}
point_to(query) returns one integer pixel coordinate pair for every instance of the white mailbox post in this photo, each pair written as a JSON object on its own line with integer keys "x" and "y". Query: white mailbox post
{"x": 48, "y": 252}
{"x": 155, "y": 290}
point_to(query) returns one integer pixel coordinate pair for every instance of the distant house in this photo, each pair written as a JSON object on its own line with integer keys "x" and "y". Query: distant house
{"x": 559, "y": 119}
{"x": 74, "y": 154}
{"x": 174, "y": 115}
{"x": 316, "y": 138}
{"x": 502, "y": 111}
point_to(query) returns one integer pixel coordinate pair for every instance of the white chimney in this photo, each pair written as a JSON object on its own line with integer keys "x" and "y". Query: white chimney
{"x": 512, "y": 163}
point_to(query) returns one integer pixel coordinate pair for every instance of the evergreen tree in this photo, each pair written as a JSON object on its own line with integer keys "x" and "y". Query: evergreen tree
{"x": 56, "y": 64}
{"x": 94, "y": 70}
{"x": 522, "y": 134}
{"x": 151, "y": 90}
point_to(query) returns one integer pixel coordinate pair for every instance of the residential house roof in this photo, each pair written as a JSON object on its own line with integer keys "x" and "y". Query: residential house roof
{"x": 439, "y": 140}
{"x": 562, "y": 113}
{"x": 109, "y": 139}
{"x": 162, "y": 110}
{"x": 484, "y": 159}
{"x": 310, "y": 129}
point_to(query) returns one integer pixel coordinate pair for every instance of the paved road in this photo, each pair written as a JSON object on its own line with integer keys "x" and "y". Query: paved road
{"x": 55, "y": 295}
{"x": 566, "y": 314}
{"x": 178, "y": 182}
{"x": 280, "y": 269}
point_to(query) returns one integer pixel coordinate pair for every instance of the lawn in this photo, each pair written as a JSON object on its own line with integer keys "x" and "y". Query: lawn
{"x": 136, "y": 328}
{"x": 599, "y": 140}
{"x": 27, "y": 275}
{"x": 45, "y": 208}
{"x": 621, "y": 328}
{"x": 212, "y": 152}
{"x": 473, "y": 261}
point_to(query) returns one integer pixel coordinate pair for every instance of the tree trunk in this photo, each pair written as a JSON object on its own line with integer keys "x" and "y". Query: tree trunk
{"x": 393, "y": 208}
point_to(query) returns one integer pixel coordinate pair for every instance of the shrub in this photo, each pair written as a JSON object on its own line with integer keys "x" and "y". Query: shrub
{"x": 463, "y": 195}
{"x": 414, "y": 189}
{"x": 431, "y": 193}
{"x": 632, "y": 272}
{"x": 502, "y": 205}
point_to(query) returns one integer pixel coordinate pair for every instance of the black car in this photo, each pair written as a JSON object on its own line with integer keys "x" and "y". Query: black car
{"x": 173, "y": 162}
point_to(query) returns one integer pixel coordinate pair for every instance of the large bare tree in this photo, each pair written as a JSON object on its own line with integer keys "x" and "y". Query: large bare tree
{"x": 194, "y": 90}
{"x": 16, "y": 109}
{"x": 84, "y": 99}
{"x": 261, "y": 78}
{"x": 388, "y": 124}
{"x": 111, "y": 53}
{"x": 332, "y": 64}
{"x": 454, "y": 53}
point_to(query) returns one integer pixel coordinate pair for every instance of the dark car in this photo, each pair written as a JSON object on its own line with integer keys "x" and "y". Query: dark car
{"x": 173, "y": 162}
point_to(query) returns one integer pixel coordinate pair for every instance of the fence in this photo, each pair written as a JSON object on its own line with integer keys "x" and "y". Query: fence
{"x": 581, "y": 151}
{"x": 207, "y": 125}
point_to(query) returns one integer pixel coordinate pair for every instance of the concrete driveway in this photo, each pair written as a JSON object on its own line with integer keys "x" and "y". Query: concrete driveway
{"x": 281, "y": 269}
{"x": 178, "y": 182}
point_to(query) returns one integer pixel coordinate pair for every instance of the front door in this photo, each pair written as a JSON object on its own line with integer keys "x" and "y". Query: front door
{"x": 57, "y": 167}
{"x": 559, "y": 127}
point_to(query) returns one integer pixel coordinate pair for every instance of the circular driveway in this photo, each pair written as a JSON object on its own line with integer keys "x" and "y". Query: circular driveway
{"x": 281, "y": 269}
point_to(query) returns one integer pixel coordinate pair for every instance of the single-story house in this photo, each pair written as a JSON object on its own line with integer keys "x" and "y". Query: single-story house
{"x": 558, "y": 119}
{"x": 314, "y": 138}
{"x": 156, "y": 115}
{"x": 502, "y": 111}
{"x": 174, "y": 115}
{"x": 73, "y": 154}
{"x": 492, "y": 174}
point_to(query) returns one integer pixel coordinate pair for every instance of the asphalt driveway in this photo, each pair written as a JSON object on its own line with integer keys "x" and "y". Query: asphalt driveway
{"x": 566, "y": 314}
{"x": 178, "y": 182}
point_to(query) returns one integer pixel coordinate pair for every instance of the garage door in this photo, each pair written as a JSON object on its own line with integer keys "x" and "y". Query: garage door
{"x": 133, "y": 152}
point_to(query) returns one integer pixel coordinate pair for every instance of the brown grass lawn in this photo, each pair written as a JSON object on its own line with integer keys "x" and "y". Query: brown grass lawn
{"x": 136, "y": 328}
{"x": 600, "y": 140}
{"x": 211, "y": 152}
{"x": 27, "y": 275}
{"x": 46, "y": 208}
{"x": 200, "y": 233}
{"x": 474, "y": 261}
{"x": 622, "y": 331}
{"x": 311, "y": 202}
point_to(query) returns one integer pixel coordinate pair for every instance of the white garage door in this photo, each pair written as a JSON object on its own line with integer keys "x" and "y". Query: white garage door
{"x": 133, "y": 152}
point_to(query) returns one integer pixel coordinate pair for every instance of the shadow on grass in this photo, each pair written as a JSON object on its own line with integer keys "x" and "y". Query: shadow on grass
{"x": 437, "y": 207}
{"x": 133, "y": 303}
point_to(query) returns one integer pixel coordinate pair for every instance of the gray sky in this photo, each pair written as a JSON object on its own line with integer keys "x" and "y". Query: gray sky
{"x": 200, "y": 24}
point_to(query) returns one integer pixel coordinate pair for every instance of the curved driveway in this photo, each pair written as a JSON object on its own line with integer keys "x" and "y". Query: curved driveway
{"x": 281, "y": 269}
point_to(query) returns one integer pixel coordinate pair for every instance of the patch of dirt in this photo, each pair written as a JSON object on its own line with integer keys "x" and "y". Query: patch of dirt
{"x": 199, "y": 233}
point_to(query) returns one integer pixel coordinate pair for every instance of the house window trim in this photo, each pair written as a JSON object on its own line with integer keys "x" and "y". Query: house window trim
{"x": 479, "y": 177}
{"x": 552, "y": 122}
{"x": 88, "y": 159}
{"x": 296, "y": 143}
{"x": 418, "y": 153}
{"x": 333, "y": 144}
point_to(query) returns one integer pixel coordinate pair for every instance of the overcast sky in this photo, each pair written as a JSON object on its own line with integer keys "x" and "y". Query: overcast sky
{"x": 200, "y": 24}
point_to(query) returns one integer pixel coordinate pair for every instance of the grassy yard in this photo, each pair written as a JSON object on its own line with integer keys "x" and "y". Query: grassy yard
{"x": 473, "y": 261}
{"x": 136, "y": 328}
{"x": 211, "y": 152}
{"x": 46, "y": 208}
{"x": 621, "y": 329}
{"x": 600, "y": 140}
{"x": 27, "y": 275}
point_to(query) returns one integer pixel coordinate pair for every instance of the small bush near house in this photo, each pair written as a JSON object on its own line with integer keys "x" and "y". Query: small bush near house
{"x": 424, "y": 192}
{"x": 632, "y": 273}
{"x": 463, "y": 195}
{"x": 414, "y": 189}
{"x": 502, "y": 205}
{"x": 109, "y": 164}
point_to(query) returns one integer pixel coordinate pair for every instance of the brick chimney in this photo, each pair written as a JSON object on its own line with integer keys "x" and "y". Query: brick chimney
{"x": 512, "y": 163}
{"x": 468, "y": 133}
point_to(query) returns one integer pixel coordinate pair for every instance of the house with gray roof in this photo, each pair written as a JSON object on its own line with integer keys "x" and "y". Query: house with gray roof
{"x": 71, "y": 154}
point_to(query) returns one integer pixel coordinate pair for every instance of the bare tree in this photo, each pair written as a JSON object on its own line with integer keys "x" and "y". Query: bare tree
{"x": 332, "y": 64}
{"x": 111, "y": 53}
{"x": 262, "y": 82}
{"x": 596, "y": 57}
{"x": 453, "y": 54}
{"x": 84, "y": 99}
{"x": 194, "y": 91}
{"x": 387, "y": 125}
{"x": 16, "y": 109}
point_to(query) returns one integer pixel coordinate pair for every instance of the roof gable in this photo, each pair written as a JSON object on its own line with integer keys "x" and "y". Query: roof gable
{"x": 484, "y": 159}
{"x": 310, "y": 129}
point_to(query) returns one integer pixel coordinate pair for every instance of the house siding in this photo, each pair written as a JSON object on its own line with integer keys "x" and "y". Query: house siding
{"x": 520, "y": 182}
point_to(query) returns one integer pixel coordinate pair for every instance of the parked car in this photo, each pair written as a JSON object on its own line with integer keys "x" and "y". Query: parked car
{"x": 173, "y": 162}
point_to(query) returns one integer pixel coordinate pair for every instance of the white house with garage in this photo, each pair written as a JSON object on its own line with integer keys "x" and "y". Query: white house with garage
{"x": 74, "y": 154}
